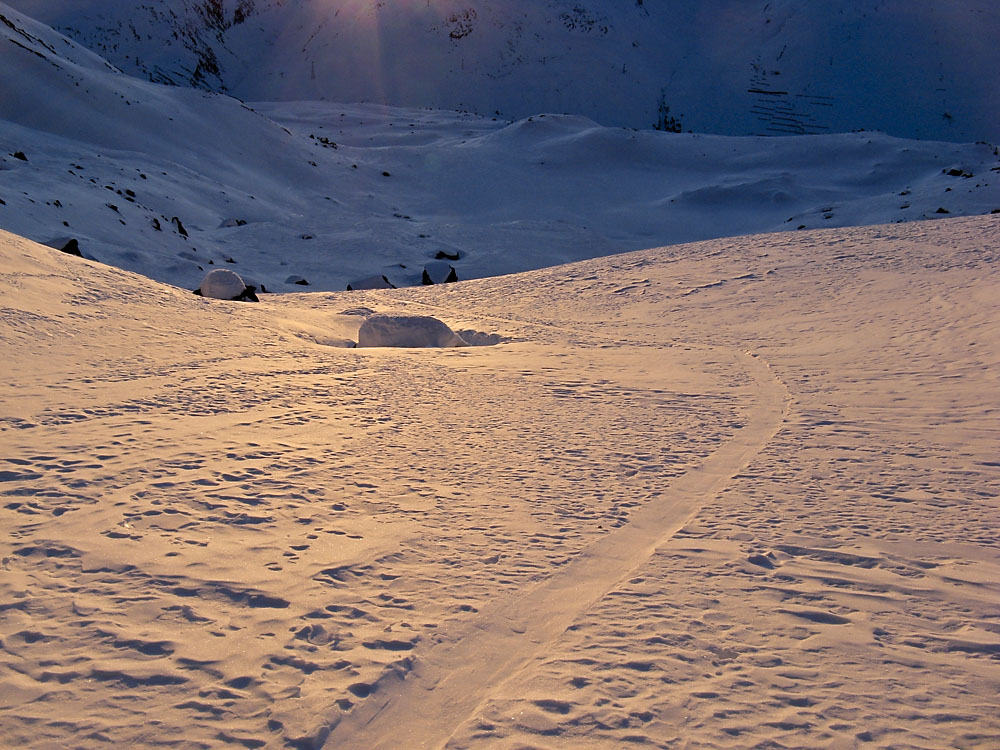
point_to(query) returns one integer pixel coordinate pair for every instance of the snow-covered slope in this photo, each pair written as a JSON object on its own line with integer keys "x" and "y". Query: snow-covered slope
{"x": 911, "y": 68}
{"x": 742, "y": 493}
{"x": 330, "y": 193}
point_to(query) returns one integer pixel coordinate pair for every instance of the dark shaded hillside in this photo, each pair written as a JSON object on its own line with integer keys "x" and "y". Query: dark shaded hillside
{"x": 916, "y": 69}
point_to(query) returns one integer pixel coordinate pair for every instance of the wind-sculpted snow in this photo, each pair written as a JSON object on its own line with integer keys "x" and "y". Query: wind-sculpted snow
{"x": 735, "y": 493}
{"x": 738, "y": 493}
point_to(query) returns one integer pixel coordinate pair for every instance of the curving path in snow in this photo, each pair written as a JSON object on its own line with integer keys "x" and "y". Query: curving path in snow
{"x": 614, "y": 529}
{"x": 457, "y": 673}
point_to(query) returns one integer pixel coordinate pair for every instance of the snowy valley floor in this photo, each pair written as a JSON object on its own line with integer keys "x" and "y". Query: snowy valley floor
{"x": 734, "y": 494}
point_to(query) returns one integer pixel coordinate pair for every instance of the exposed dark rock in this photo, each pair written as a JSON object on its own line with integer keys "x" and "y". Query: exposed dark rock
{"x": 370, "y": 282}
{"x": 72, "y": 247}
{"x": 248, "y": 295}
{"x": 242, "y": 11}
{"x": 439, "y": 273}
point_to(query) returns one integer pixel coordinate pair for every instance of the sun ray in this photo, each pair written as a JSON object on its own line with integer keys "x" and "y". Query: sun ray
{"x": 369, "y": 52}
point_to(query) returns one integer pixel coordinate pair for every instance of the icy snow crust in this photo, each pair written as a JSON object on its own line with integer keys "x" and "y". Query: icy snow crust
{"x": 330, "y": 194}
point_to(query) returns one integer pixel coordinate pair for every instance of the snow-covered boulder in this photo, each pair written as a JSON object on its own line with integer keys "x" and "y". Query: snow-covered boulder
{"x": 417, "y": 331}
{"x": 221, "y": 283}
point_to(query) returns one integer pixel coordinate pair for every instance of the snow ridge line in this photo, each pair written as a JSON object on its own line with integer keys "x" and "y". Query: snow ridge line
{"x": 453, "y": 679}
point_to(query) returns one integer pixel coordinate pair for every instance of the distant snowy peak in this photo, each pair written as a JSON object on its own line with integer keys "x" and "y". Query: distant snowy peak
{"x": 913, "y": 68}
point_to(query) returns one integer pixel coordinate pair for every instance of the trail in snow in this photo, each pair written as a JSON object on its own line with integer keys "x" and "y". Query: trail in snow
{"x": 423, "y": 708}
{"x": 219, "y": 518}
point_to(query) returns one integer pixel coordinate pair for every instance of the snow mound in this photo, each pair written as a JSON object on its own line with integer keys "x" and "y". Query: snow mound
{"x": 222, "y": 283}
{"x": 416, "y": 331}
{"x": 480, "y": 338}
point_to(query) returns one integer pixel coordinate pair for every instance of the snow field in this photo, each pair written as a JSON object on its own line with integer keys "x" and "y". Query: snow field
{"x": 752, "y": 481}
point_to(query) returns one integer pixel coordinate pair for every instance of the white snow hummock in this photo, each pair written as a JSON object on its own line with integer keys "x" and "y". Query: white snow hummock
{"x": 415, "y": 331}
{"x": 222, "y": 283}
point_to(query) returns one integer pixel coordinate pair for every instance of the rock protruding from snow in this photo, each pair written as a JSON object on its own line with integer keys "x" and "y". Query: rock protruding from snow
{"x": 222, "y": 283}
{"x": 416, "y": 331}
{"x": 72, "y": 247}
{"x": 68, "y": 245}
{"x": 370, "y": 282}
{"x": 439, "y": 272}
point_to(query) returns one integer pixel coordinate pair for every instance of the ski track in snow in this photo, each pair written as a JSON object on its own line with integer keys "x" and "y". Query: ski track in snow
{"x": 250, "y": 538}
{"x": 738, "y": 493}
{"x": 424, "y": 709}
